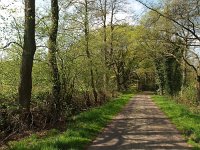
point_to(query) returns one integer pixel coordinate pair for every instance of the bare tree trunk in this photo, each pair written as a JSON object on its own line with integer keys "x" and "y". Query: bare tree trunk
{"x": 104, "y": 31}
{"x": 118, "y": 76}
{"x": 29, "y": 48}
{"x": 111, "y": 29}
{"x": 184, "y": 74}
{"x": 103, "y": 9}
{"x": 111, "y": 45}
{"x": 86, "y": 26}
{"x": 184, "y": 81}
{"x": 52, "y": 45}
{"x": 118, "y": 82}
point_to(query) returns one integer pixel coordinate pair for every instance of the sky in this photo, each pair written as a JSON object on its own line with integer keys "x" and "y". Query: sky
{"x": 18, "y": 7}
{"x": 10, "y": 9}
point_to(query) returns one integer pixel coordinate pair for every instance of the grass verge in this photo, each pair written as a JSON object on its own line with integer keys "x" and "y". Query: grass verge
{"x": 186, "y": 121}
{"x": 80, "y": 132}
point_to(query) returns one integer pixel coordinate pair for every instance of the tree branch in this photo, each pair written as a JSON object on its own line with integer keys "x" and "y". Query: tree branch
{"x": 8, "y": 44}
{"x": 192, "y": 66}
{"x": 169, "y": 18}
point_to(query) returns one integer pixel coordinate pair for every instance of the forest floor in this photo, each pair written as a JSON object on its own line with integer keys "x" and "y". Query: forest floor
{"x": 141, "y": 125}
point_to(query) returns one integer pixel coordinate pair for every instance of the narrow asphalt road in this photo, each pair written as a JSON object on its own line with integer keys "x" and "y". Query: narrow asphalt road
{"x": 141, "y": 125}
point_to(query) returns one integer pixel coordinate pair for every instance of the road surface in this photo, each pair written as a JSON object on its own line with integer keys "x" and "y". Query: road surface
{"x": 141, "y": 125}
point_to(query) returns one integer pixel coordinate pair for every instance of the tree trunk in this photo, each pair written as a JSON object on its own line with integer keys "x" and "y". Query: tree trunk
{"x": 86, "y": 26}
{"x": 118, "y": 77}
{"x": 111, "y": 30}
{"x": 184, "y": 72}
{"x": 29, "y": 48}
{"x": 105, "y": 52}
{"x": 118, "y": 82}
{"x": 104, "y": 31}
{"x": 52, "y": 45}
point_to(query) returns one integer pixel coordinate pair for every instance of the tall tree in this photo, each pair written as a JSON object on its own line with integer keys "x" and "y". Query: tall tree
{"x": 185, "y": 16}
{"x": 113, "y": 7}
{"x": 52, "y": 45}
{"x": 102, "y": 10}
{"x": 86, "y": 32}
{"x": 103, "y": 4}
{"x": 29, "y": 48}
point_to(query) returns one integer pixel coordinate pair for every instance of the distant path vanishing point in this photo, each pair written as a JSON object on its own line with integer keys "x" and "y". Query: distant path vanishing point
{"x": 141, "y": 125}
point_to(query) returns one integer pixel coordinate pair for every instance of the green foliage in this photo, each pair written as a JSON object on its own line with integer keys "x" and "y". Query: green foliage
{"x": 9, "y": 78}
{"x": 148, "y": 53}
{"x": 173, "y": 76}
{"x": 81, "y": 129}
{"x": 160, "y": 73}
{"x": 167, "y": 57}
{"x": 173, "y": 72}
{"x": 186, "y": 121}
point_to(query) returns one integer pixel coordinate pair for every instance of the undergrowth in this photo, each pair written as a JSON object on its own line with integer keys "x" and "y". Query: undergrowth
{"x": 81, "y": 129}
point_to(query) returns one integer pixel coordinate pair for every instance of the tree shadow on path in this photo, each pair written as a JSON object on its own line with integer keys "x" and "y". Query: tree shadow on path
{"x": 140, "y": 126}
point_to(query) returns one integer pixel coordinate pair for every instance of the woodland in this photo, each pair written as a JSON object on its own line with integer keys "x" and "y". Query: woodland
{"x": 76, "y": 55}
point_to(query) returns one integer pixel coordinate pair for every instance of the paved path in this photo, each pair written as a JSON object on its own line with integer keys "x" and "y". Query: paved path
{"x": 141, "y": 125}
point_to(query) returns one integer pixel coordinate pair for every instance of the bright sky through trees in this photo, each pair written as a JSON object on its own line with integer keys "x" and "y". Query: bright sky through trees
{"x": 14, "y": 9}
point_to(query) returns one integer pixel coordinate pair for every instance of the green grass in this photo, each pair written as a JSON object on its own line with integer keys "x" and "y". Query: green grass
{"x": 80, "y": 132}
{"x": 186, "y": 121}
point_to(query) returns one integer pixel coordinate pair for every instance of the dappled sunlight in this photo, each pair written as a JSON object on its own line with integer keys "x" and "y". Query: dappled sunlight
{"x": 140, "y": 126}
